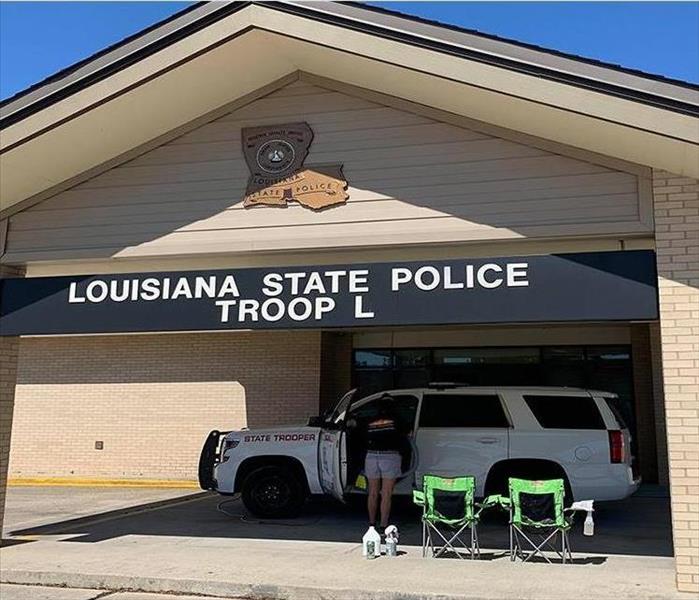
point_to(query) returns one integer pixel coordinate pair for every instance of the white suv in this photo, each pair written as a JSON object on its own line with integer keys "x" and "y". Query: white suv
{"x": 492, "y": 433}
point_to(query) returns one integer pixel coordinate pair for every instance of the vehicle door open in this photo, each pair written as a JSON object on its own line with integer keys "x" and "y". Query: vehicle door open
{"x": 332, "y": 449}
{"x": 363, "y": 411}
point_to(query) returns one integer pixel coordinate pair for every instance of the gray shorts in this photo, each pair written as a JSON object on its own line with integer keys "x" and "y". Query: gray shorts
{"x": 382, "y": 465}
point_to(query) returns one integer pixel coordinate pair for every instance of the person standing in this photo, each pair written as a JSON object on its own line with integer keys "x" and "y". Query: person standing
{"x": 386, "y": 441}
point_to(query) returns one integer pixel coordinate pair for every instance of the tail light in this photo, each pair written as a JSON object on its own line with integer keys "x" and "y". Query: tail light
{"x": 617, "y": 449}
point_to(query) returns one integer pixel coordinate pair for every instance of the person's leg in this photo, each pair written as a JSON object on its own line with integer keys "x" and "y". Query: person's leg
{"x": 373, "y": 487}
{"x": 373, "y": 478}
{"x": 387, "y": 485}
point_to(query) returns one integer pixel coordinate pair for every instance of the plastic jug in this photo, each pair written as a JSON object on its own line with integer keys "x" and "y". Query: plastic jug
{"x": 371, "y": 543}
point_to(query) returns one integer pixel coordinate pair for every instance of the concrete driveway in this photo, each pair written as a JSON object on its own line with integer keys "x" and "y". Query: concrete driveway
{"x": 30, "y": 506}
{"x": 192, "y": 543}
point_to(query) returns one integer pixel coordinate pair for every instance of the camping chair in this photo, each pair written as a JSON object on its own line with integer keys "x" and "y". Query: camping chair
{"x": 537, "y": 517}
{"x": 448, "y": 503}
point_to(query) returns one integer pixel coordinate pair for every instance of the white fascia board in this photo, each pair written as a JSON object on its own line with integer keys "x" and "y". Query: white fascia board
{"x": 504, "y": 81}
{"x": 507, "y": 49}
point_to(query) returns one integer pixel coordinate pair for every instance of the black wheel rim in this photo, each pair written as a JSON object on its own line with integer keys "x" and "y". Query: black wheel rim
{"x": 272, "y": 492}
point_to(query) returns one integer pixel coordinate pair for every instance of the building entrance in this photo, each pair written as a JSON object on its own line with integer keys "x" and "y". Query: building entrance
{"x": 602, "y": 367}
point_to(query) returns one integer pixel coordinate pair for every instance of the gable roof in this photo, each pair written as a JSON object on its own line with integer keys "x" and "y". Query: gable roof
{"x": 376, "y": 48}
{"x": 612, "y": 79}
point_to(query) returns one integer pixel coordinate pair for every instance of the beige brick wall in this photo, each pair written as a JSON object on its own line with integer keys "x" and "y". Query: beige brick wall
{"x": 9, "y": 347}
{"x": 676, "y": 208}
{"x": 151, "y": 399}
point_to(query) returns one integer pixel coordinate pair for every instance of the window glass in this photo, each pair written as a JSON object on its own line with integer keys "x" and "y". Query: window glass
{"x": 564, "y": 366}
{"x": 565, "y": 412}
{"x": 608, "y": 353}
{"x": 480, "y": 356}
{"x": 405, "y": 407}
{"x": 372, "y": 358}
{"x": 462, "y": 410}
{"x": 412, "y": 358}
{"x": 368, "y": 381}
{"x": 411, "y": 378}
{"x": 563, "y": 354}
{"x": 613, "y": 404}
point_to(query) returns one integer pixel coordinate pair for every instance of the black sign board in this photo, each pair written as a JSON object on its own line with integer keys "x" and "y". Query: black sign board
{"x": 602, "y": 286}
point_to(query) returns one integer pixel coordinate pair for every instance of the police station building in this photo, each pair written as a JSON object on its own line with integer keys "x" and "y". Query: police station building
{"x": 236, "y": 215}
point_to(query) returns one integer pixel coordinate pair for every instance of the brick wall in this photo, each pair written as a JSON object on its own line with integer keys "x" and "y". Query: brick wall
{"x": 151, "y": 399}
{"x": 676, "y": 208}
{"x": 9, "y": 347}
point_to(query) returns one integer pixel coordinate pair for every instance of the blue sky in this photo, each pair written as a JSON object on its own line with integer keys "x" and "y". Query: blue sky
{"x": 39, "y": 38}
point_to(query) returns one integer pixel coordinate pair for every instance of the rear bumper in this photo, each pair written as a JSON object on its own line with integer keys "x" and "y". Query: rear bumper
{"x": 635, "y": 484}
{"x": 208, "y": 459}
{"x": 603, "y": 483}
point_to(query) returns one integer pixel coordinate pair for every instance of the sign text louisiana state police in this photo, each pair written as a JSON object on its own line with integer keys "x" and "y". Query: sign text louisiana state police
{"x": 551, "y": 288}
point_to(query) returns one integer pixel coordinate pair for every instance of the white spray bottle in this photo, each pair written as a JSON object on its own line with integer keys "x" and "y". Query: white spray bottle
{"x": 391, "y": 540}
{"x": 588, "y": 507}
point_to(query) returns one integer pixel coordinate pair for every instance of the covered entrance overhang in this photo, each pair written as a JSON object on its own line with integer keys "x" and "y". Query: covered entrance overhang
{"x": 575, "y": 320}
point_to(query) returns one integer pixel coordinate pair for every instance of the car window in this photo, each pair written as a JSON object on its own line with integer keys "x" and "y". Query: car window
{"x": 565, "y": 412}
{"x": 613, "y": 404}
{"x": 405, "y": 409}
{"x": 462, "y": 410}
{"x": 335, "y": 416}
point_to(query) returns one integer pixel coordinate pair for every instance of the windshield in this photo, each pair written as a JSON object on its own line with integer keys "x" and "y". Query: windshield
{"x": 338, "y": 414}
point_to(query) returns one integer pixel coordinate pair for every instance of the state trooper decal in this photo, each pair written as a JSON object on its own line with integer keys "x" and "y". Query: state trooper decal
{"x": 275, "y": 155}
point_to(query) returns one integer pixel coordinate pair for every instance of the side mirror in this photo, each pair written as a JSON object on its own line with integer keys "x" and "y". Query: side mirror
{"x": 315, "y": 422}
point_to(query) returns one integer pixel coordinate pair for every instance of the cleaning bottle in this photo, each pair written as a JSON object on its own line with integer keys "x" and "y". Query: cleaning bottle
{"x": 589, "y": 525}
{"x": 371, "y": 543}
{"x": 391, "y": 540}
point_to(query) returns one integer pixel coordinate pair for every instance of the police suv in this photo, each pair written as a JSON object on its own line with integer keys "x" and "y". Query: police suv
{"x": 492, "y": 433}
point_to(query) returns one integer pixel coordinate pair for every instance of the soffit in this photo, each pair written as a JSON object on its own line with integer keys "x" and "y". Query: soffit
{"x": 257, "y": 45}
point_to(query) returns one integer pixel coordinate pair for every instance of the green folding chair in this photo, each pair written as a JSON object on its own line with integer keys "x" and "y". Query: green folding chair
{"x": 448, "y": 504}
{"x": 537, "y": 518}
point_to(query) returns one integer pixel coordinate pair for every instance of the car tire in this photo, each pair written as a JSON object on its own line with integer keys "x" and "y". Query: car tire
{"x": 273, "y": 493}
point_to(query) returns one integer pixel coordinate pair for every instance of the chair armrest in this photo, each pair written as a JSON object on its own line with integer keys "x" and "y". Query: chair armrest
{"x": 419, "y": 497}
{"x": 497, "y": 500}
{"x": 493, "y": 501}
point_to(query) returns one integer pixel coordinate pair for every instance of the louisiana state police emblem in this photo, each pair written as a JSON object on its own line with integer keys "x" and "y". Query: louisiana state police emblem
{"x": 275, "y": 155}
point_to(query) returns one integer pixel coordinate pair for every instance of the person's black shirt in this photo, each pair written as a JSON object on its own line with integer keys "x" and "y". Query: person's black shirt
{"x": 384, "y": 432}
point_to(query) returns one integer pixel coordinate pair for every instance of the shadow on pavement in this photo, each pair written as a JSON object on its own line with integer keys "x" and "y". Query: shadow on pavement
{"x": 7, "y": 542}
{"x": 636, "y": 526}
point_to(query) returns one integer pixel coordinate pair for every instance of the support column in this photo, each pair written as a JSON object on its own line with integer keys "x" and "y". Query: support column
{"x": 335, "y": 367}
{"x": 645, "y": 433}
{"x": 9, "y": 349}
{"x": 659, "y": 404}
{"x": 676, "y": 210}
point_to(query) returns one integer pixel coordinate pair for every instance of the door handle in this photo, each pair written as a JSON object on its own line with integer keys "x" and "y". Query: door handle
{"x": 487, "y": 440}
